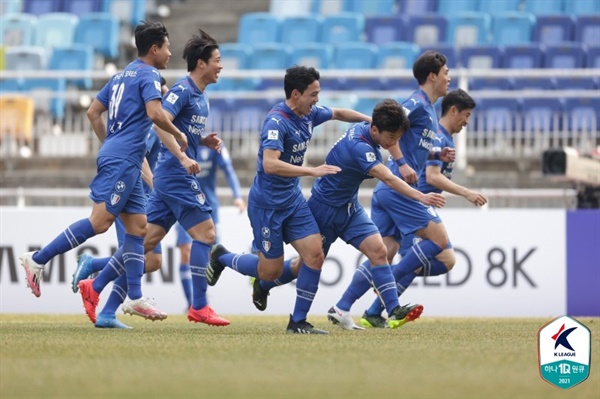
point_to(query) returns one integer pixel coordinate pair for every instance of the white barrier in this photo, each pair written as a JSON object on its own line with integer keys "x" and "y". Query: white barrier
{"x": 509, "y": 263}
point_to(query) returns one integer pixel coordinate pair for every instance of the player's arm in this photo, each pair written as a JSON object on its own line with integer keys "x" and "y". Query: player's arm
{"x": 275, "y": 166}
{"x": 172, "y": 145}
{"x": 94, "y": 114}
{"x": 147, "y": 174}
{"x": 408, "y": 174}
{"x": 349, "y": 115}
{"x": 163, "y": 121}
{"x": 446, "y": 154}
{"x": 438, "y": 180}
{"x": 382, "y": 173}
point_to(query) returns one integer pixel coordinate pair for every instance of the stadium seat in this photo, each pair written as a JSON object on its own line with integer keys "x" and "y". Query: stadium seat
{"x": 235, "y": 84}
{"x": 10, "y": 85}
{"x": 250, "y": 114}
{"x": 582, "y": 7}
{"x": 355, "y": 56}
{"x": 587, "y": 29}
{"x": 566, "y": 55}
{"x": 593, "y": 57}
{"x": 26, "y": 58}
{"x": 522, "y": 57}
{"x": 449, "y": 52}
{"x": 453, "y": 7}
{"x": 40, "y": 7}
{"x": 289, "y": 8}
{"x": 48, "y": 95}
{"x": 10, "y": 6}
{"x": 416, "y": 7}
{"x": 327, "y": 7}
{"x": 317, "y": 55}
{"x": 234, "y": 55}
{"x": 56, "y": 30}
{"x": 397, "y": 55}
{"x": 366, "y": 105}
{"x": 552, "y": 29}
{"x": 17, "y": 29}
{"x": 301, "y": 29}
{"x": 541, "y": 7}
{"x": 583, "y": 83}
{"x": 16, "y": 118}
{"x": 468, "y": 29}
{"x": 541, "y": 114}
{"x": 384, "y": 29}
{"x": 426, "y": 29}
{"x": 270, "y": 56}
{"x": 494, "y": 6}
{"x": 582, "y": 115}
{"x": 533, "y": 83}
{"x": 343, "y": 28}
{"x": 81, "y": 7}
{"x": 490, "y": 84}
{"x": 101, "y": 31}
{"x": 129, "y": 12}
{"x": 512, "y": 27}
{"x": 258, "y": 28}
{"x": 481, "y": 57}
{"x": 497, "y": 115}
{"x": 371, "y": 7}
{"x": 77, "y": 57}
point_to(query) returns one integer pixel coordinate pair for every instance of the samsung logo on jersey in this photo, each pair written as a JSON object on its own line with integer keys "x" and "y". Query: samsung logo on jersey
{"x": 429, "y": 134}
{"x": 300, "y": 147}
{"x": 195, "y": 130}
{"x": 198, "y": 119}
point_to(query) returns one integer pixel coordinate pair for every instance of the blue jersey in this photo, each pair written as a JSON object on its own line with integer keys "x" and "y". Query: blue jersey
{"x": 152, "y": 148}
{"x": 189, "y": 106}
{"x": 356, "y": 154}
{"x": 444, "y": 139}
{"x": 125, "y": 97}
{"x": 209, "y": 160}
{"x": 284, "y": 131}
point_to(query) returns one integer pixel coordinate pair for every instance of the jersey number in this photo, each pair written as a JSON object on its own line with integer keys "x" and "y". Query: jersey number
{"x": 115, "y": 100}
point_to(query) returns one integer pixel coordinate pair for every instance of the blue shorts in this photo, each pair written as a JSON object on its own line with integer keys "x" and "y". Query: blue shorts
{"x": 119, "y": 185}
{"x": 273, "y": 227}
{"x": 177, "y": 200}
{"x": 411, "y": 239}
{"x": 121, "y": 235}
{"x": 396, "y": 215}
{"x": 349, "y": 222}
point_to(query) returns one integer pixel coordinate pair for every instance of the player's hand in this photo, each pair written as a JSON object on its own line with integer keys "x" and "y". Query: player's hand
{"x": 447, "y": 154}
{"x": 240, "y": 203}
{"x": 191, "y": 166}
{"x": 325, "y": 169}
{"x": 408, "y": 174}
{"x": 433, "y": 199}
{"x": 182, "y": 140}
{"x": 212, "y": 141}
{"x": 476, "y": 198}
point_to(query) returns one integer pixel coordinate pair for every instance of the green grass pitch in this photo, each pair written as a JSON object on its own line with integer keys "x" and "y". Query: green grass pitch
{"x": 66, "y": 357}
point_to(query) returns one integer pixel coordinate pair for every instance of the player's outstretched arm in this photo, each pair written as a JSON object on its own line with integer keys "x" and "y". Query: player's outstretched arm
{"x": 274, "y": 166}
{"x": 438, "y": 180}
{"x": 349, "y": 115}
{"x": 408, "y": 174}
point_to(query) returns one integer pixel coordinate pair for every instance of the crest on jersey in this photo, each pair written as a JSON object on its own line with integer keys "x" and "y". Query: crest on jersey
{"x": 120, "y": 186}
{"x": 157, "y": 85}
{"x": 265, "y": 232}
{"x": 273, "y": 135}
{"x": 371, "y": 157}
{"x": 172, "y": 98}
{"x": 266, "y": 245}
{"x": 114, "y": 198}
{"x": 195, "y": 186}
{"x": 201, "y": 198}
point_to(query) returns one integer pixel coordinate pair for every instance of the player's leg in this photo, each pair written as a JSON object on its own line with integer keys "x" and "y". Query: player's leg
{"x": 184, "y": 243}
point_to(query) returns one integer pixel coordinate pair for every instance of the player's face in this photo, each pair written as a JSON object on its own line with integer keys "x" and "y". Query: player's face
{"x": 461, "y": 120}
{"x": 306, "y": 100}
{"x": 385, "y": 138}
{"x": 442, "y": 81}
{"x": 213, "y": 68}
{"x": 162, "y": 54}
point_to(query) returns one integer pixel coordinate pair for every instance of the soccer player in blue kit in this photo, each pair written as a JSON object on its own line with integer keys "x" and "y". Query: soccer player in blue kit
{"x": 133, "y": 101}
{"x": 210, "y": 161}
{"x": 456, "y": 111}
{"x": 277, "y": 209}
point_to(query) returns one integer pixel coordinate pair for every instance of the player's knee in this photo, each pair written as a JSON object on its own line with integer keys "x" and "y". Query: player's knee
{"x": 314, "y": 260}
{"x": 270, "y": 275}
{"x": 450, "y": 261}
{"x": 379, "y": 256}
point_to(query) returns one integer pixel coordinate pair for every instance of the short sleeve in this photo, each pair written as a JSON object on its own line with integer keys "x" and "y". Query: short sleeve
{"x": 272, "y": 135}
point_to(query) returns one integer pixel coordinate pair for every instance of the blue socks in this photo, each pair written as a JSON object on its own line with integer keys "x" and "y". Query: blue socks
{"x": 133, "y": 257}
{"x": 246, "y": 264}
{"x": 199, "y": 258}
{"x": 114, "y": 269}
{"x": 435, "y": 268}
{"x": 75, "y": 235}
{"x": 286, "y": 277}
{"x": 385, "y": 284}
{"x": 185, "y": 275}
{"x": 99, "y": 263}
{"x": 419, "y": 254}
{"x": 361, "y": 282}
{"x": 116, "y": 297}
{"x": 306, "y": 289}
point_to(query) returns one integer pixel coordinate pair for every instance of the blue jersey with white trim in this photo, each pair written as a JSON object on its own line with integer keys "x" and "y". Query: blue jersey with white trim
{"x": 444, "y": 139}
{"x": 189, "y": 106}
{"x": 289, "y": 134}
{"x": 356, "y": 154}
{"x": 125, "y": 97}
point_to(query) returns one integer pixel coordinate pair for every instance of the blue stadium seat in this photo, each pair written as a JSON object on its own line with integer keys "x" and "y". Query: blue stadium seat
{"x": 76, "y": 57}
{"x": 234, "y": 55}
{"x": 495, "y": 6}
{"x": 582, "y": 7}
{"x": 10, "y": 85}
{"x": 453, "y": 7}
{"x": 26, "y": 58}
{"x": 289, "y": 8}
{"x": 426, "y": 29}
{"x": 101, "y": 31}
{"x": 56, "y": 29}
{"x": 551, "y": 29}
{"x": 10, "y": 6}
{"x": 533, "y": 83}
{"x": 270, "y": 56}
{"x": 343, "y": 28}
{"x": 81, "y": 7}
{"x": 397, "y": 55}
{"x": 258, "y": 28}
{"x": 582, "y": 115}
{"x": 250, "y": 114}
{"x": 356, "y": 55}
{"x": 366, "y": 105}
{"x": 541, "y": 114}
{"x": 218, "y": 115}
{"x": 17, "y": 29}
{"x": 358, "y": 84}
{"x": 327, "y": 7}
{"x": 541, "y": 7}
{"x": 129, "y": 12}
{"x": 481, "y": 57}
{"x": 56, "y": 104}
{"x": 448, "y": 50}
{"x": 496, "y": 115}
{"x": 40, "y": 7}
{"x": 301, "y": 29}
{"x": 490, "y": 84}
{"x": 522, "y": 57}
{"x": 371, "y": 7}
{"x": 416, "y": 7}
{"x": 587, "y": 29}
{"x": 512, "y": 27}
{"x": 565, "y": 55}
{"x": 236, "y": 84}
{"x": 593, "y": 57}
{"x": 317, "y": 55}
{"x": 384, "y": 29}
{"x": 584, "y": 83}
{"x": 468, "y": 29}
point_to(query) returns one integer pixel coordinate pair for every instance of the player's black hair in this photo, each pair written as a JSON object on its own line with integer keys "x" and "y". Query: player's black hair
{"x": 389, "y": 116}
{"x": 299, "y": 78}
{"x": 199, "y": 47}
{"x": 148, "y": 34}
{"x": 458, "y": 98}
{"x": 429, "y": 62}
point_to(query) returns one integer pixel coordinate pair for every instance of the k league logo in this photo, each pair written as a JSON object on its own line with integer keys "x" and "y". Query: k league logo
{"x": 564, "y": 352}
